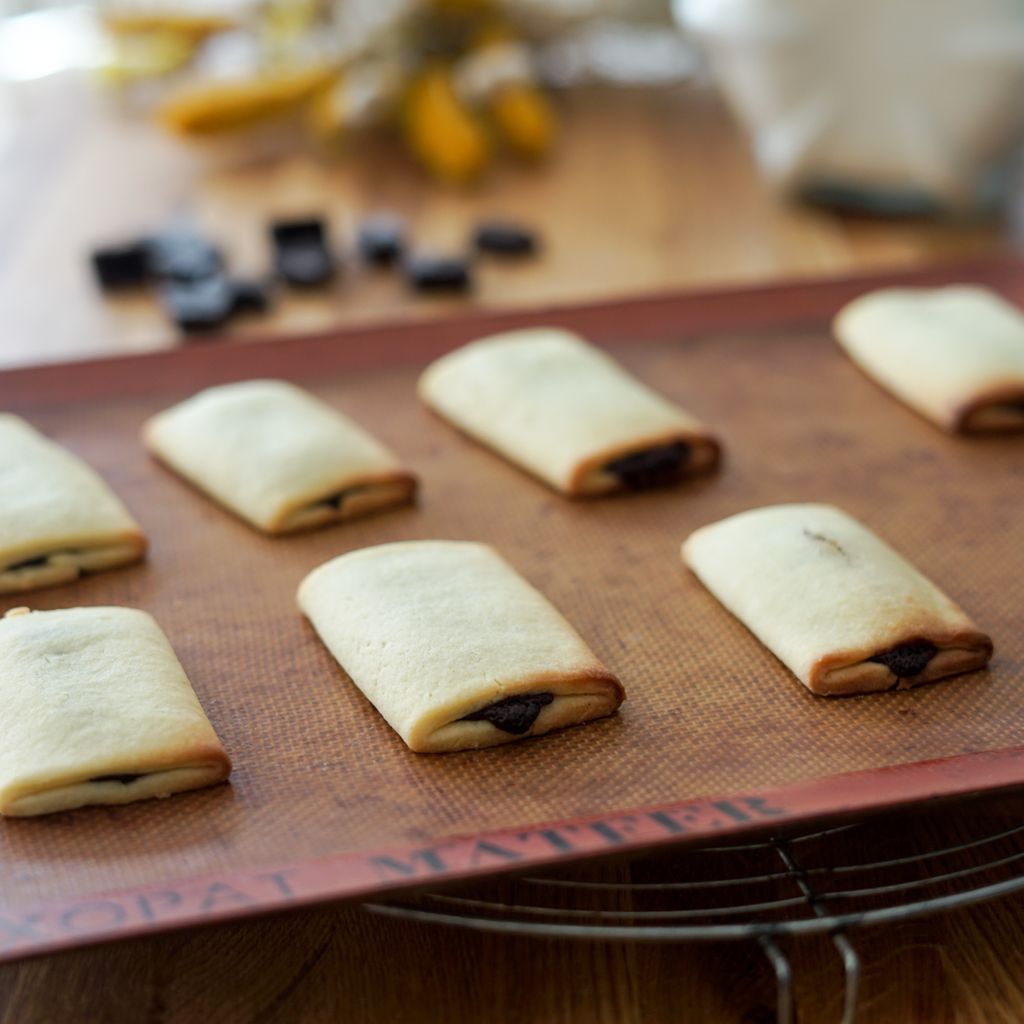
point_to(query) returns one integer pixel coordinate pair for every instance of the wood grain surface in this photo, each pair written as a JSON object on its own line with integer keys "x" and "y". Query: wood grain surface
{"x": 646, "y": 192}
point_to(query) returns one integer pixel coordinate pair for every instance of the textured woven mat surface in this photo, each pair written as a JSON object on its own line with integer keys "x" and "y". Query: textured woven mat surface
{"x": 709, "y": 711}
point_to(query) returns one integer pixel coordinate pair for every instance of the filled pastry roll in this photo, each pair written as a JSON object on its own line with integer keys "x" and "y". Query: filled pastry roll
{"x": 96, "y": 709}
{"x": 277, "y": 456}
{"x": 453, "y": 647}
{"x": 954, "y": 354}
{"x": 566, "y": 412}
{"x": 835, "y": 604}
{"x": 58, "y": 519}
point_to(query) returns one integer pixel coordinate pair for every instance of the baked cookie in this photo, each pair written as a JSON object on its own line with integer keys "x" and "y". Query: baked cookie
{"x": 278, "y": 457}
{"x": 453, "y": 647}
{"x": 567, "y": 413}
{"x": 58, "y": 519}
{"x": 842, "y": 610}
{"x": 954, "y": 354}
{"x": 96, "y": 709}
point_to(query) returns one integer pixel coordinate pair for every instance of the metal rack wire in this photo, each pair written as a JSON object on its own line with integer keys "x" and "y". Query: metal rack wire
{"x": 831, "y": 881}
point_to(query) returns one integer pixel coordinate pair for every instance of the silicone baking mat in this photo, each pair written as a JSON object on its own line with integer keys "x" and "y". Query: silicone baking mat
{"x": 325, "y": 800}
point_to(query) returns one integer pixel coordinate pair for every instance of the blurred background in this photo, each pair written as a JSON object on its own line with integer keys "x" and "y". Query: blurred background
{"x": 641, "y": 145}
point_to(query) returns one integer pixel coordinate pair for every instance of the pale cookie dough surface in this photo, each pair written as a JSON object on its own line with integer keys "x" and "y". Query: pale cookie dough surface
{"x": 58, "y": 518}
{"x": 560, "y": 408}
{"x": 954, "y": 354}
{"x": 826, "y": 596}
{"x": 87, "y": 694}
{"x": 277, "y": 456}
{"x": 433, "y": 631}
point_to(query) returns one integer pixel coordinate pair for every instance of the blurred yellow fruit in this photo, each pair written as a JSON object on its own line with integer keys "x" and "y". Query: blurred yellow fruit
{"x": 216, "y": 106}
{"x": 195, "y": 26}
{"x": 441, "y": 131}
{"x": 524, "y": 119}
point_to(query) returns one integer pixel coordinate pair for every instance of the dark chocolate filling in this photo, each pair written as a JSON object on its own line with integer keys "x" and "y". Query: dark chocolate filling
{"x": 335, "y": 501}
{"x": 654, "y": 467}
{"x": 29, "y": 563}
{"x": 1015, "y": 406}
{"x": 123, "y": 779}
{"x": 39, "y": 560}
{"x": 513, "y": 714}
{"x": 908, "y": 659}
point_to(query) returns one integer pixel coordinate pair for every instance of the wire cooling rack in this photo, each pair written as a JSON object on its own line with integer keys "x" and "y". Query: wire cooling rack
{"x": 831, "y": 881}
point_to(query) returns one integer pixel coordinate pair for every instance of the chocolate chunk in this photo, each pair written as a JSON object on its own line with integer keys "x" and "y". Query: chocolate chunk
{"x": 183, "y": 257}
{"x": 438, "y": 273}
{"x": 302, "y": 256}
{"x": 123, "y": 779}
{"x": 515, "y": 715}
{"x": 381, "y": 239}
{"x": 305, "y": 266}
{"x": 908, "y": 659}
{"x": 121, "y": 266}
{"x": 249, "y": 296}
{"x": 504, "y": 238}
{"x": 654, "y": 467}
{"x": 303, "y": 231}
{"x": 199, "y": 305}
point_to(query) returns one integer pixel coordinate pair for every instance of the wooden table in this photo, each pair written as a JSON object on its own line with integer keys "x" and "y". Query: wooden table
{"x": 647, "y": 192}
